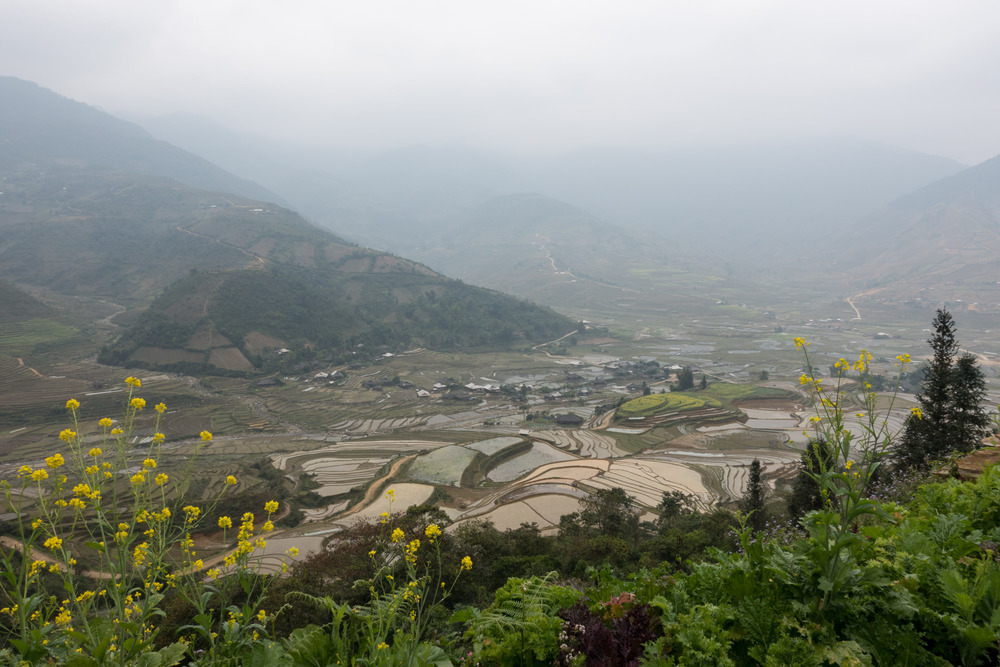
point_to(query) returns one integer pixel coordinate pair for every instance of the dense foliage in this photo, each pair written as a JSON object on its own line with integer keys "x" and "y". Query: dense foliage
{"x": 333, "y": 313}
{"x": 952, "y": 402}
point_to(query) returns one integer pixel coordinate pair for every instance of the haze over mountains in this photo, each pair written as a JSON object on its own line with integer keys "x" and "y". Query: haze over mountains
{"x": 723, "y": 201}
{"x": 845, "y": 206}
{"x": 86, "y": 211}
{"x": 230, "y": 276}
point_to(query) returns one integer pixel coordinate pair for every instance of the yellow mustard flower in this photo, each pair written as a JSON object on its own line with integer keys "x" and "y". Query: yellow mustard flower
{"x": 161, "y": 408}
{"x": 398, "y": 535}
{"x": 67, "y": 435}
{"x": 917, "y": 412}
{"x": 225, "y": 522}
{"x": 55, "y": 461}
{"x": 206, "y": 436}
{"x": 39, "y": 475}
{"x": 149, "y": 463}
{"x": 271, "y": 506}
{"x": 105, "y": 422}
{"x": 135, "y": 382}
{"x": 72, "y": 404}
{"x": 391, "y": 495}
{"x": 433, "y": 531}
{"x": 158, "y": 438}
{"x": 230, "y": 480}
{"x": 53, "y": 543}
{"x": 137, "y": 403}
{"x": 294, "y": 551}
{"x": 161, "y": 479}
{"x": 95, "y": 452}
{"x": 466, "y": 563}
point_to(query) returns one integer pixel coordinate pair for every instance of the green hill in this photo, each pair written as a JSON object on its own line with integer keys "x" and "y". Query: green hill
{"x": 236, "y": 320}
{"x": 94, "y": 207}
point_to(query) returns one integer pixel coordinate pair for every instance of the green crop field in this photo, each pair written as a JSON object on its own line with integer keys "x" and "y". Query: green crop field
{"x": 646, "y": 405}
{"x": 20, "y": 338}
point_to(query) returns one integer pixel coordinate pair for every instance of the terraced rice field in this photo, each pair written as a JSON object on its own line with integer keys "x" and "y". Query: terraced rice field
{"x": 545, "y": 510}
{"x": 340, "y": 475}
{"x": 494, "y": 445}
{"x": 589, "y": 444}
{"x": 646, "y": 480}
{"x": 21, "y": 385}
{"x": 645, "y": 405}
{"x": 407, "y": 494}
{"x": 539, "y": 454}
{"x": 442, "y": 466}
{"x": 376, "y": 425}
{"x": 342, "y": 466}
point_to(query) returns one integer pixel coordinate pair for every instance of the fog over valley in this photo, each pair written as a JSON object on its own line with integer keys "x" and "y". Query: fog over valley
{"x": 454, "y": 333}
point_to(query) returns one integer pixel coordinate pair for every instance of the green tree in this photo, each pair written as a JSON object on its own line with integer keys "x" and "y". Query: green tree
{"x": 951, "y": 398}
{"x": 971, "y": 423}
{"x": 752, "y": 502}
{"x": 685, "y": 379}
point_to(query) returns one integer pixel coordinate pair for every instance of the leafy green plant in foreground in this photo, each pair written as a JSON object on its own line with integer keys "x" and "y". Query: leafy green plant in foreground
{"x": 138, "y": 547}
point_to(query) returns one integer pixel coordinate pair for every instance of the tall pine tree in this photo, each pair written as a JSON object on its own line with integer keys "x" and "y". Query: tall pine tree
{"x": 752, "y": 502}
{"x": 971, "y": 423}
{"x": 951, "y": 403}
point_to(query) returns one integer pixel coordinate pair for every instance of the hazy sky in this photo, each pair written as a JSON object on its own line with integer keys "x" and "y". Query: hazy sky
{"x": 531, "y": 76}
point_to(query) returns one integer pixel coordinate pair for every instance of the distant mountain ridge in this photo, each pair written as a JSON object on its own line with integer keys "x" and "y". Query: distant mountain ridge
{"x": 939, "y": 243}
{"x": 227, "y": 276}
{"x": 731, "y": 203}
{"x": 40, "y": 127}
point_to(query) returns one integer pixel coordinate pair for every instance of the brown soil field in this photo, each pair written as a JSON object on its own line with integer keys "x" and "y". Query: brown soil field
{"x": 229, "y": 358}
{"x": 204, "y": 338}
{"x": 256, "y": 342}
{"x": 160, "y": 355}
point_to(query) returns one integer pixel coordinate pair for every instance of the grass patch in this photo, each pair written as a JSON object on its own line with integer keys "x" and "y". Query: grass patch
{"x": 19, "y": 338}
{"x": 647, "y": 405}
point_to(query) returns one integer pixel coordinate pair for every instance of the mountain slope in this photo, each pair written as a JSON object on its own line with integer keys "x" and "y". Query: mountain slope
{"x": 40, "y": 127}
{"x": 939, "y": 243}
{"x": 526, "y": 243}
{"x": 227, "y": 276}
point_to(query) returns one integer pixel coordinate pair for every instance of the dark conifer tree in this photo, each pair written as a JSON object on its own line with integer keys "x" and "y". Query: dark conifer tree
{"x": 951, "y": 403}
{"x": 971, "y": 423}
{"x": 752, "y": 502}
{"x": 685, "y": 379}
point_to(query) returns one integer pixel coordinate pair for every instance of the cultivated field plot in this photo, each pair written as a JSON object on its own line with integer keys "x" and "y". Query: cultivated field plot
{"x": 726, "y": 474}
{"x": 646, "y": 479}
{"x": 588, "y": 444}
{"x": 539, "y": 454}
{"x": 342, "y": 466}
{"x": 442, "y": 466}
{"x": 494, "y": 445}
{"x": 646, "y": 405}
{"x": 771, "y": 419}
{"x": 407, "y": 494}
{"x": 338, "y": 475}
{"x": 377, "y": 425}
{"x": 544, "y": 510}
{"x": 22, "y": 385}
